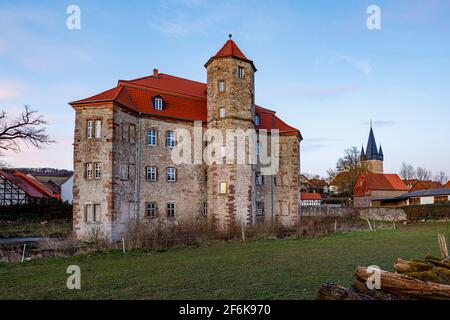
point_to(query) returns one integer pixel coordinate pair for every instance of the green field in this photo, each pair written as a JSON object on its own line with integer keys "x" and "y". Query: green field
{"x": 263, "y": 269}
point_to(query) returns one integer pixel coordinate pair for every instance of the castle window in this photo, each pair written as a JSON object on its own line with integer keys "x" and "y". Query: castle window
{"x": 151, "y": 173}
{"x": 222, "y": 112}
{"x": 205, "y": 209}
{"x": 98, "y": 129}
{"x": 132, "y": 134}
{"x": 96, "y": 213}
{"x": 171, "y": 174}
{"x": 258, "y": 148}
{"x": 222, "y": 86}
{"x": 241, "y": 72}
{"x": 152, "y": 137}
{"x": 97, "y": 170}
{"x": 150, "y": 209}
{"x": 259, "y": 208}
{"x": 158, "y": 103}
{"x": 206, "y": 175}
{"x": 223, "y": 188}
{"x": 257, "y": 120}
{"x": 170, "y": 209}
{"x": 259, "y": 179}
{"x": 170, "y": 139}
{"x": 90, "y": 129}
{"x": 89, "y": 171}
{"x": 124, "y": 172}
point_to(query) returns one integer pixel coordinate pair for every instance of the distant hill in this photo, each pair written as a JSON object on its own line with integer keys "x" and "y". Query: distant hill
{"x": 46, "y": 172}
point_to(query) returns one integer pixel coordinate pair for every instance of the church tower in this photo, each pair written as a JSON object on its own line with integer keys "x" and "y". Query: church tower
{"x": 230, "y": 105}
{"x": 373, "y": 156}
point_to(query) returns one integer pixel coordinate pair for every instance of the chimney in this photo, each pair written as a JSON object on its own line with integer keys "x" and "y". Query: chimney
{"x": 155, "y": 73}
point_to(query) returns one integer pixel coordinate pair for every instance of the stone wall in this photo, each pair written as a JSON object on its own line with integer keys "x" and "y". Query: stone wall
{"x": 93, "y": 191}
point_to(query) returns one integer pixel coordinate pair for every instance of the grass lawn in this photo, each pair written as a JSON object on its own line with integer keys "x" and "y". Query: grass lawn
{"x": 264, "y": 269}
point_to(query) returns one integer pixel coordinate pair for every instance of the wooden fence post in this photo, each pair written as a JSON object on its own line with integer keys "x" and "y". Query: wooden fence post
{"x": 443, "y": 245}
{"x": 243, "y": 233}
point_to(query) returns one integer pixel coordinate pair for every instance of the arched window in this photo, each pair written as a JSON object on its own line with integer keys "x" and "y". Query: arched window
{"x": 158, "y": 103}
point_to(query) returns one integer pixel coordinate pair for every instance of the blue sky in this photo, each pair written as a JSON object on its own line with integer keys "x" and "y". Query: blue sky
{"x": 318, "y": 66}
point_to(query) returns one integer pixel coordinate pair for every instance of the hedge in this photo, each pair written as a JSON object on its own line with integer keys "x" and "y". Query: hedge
{"x": 49, "y": 209}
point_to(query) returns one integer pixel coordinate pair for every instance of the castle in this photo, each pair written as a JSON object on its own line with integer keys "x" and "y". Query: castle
{"x": 373, "y": 157}
{"x": 123, "y": 153}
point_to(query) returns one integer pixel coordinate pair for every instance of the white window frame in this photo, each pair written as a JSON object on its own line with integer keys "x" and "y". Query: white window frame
{"x": 259, "y": 179}
{"x": 223, "y": 187}
{"x": 90, "y": 129}
{"x": 151, "y": 209}
{"x": 98, "y": 129}
{"x": 241, "y": 72}
{"x": 151, "y": 173}
{"x": 171, "y": 174}
{"x": 170, "y": 139}
{"x": 97, "y": 170}
{"x": 89, "y": 170}
{"x": 88, "y": 210}
{"x": 260, "y": 208}
{"x": 171, "y": 210}
{"x": 152, "y": 137}
{"x": 222, "y": 112}
{"x": 222, "y": 86}
{"x": 158, "y": 103}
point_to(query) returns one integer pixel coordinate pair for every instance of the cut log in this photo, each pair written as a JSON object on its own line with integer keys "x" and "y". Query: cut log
{"x": 361, "y": 288}
{"x": 406, "y": 287}
{"x": 331, "y": 291}
{"x": 437, "y": 275}
{"x": 403, "y": 266}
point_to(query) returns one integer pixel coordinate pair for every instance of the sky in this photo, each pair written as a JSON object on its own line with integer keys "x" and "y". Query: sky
{"x": 319, "y": 67}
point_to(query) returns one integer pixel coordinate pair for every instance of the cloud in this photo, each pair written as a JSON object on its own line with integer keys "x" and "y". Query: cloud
{"x": 361, "y": 65}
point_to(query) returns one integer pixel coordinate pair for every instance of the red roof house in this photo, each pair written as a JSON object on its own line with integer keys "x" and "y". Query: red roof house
{"x": 371, "y": 186}
{"x": 426, "y": 185}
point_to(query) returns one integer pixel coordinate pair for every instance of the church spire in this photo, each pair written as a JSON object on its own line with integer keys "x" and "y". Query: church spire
{"x": 371, "y": 150}
{"x": 380, "y": 154}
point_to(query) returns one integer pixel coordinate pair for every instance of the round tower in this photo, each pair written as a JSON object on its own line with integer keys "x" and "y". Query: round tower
{"x": 230, "y": 104}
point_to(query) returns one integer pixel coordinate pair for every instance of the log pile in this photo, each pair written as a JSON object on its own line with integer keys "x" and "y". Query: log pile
{"x": 412, "y": 280}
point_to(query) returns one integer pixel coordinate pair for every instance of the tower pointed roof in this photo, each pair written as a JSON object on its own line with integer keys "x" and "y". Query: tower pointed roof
{"x": 363, "y": 154}
{"x": 230, "y": 49}
{"x": 372, "y": 150}
{"x": 380, "y": 153}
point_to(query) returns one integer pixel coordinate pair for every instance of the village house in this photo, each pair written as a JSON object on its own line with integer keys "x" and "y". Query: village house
{"x": 124, "y": 137}
{"x": 415, "y": 198}
{"x": 310, "y": 199}
{"x": 19, "y": 188}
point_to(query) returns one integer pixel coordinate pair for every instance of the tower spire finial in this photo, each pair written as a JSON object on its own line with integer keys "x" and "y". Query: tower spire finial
{"x": 370, "y": 123}
{"x": 230, "y": 36}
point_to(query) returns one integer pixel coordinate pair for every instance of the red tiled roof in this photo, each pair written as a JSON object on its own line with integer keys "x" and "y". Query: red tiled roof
{"x": 310, "y": 196}
{"x": 426, "y": 185}
{"x": 369, "y": 182}
{"x": 36, "y": 184}
{"x": 447, "y": 186}
{"x": 230, "y": 49}
{"x": 22, "y": 184}
{"x": 184, "y": 99}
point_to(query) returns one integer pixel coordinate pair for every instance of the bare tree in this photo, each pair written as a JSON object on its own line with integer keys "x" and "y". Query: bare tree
{"x": 348, "y": 169}
{"x": 407, "y": 171}
{"x": 29, "y": 128}
{"x": 423, "y": 174}
{"x": 441, "y": 177}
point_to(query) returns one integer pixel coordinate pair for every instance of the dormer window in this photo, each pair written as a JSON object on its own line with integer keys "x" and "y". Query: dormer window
{"x": 257, "y": 120}
{"x": 158, "y": 103}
